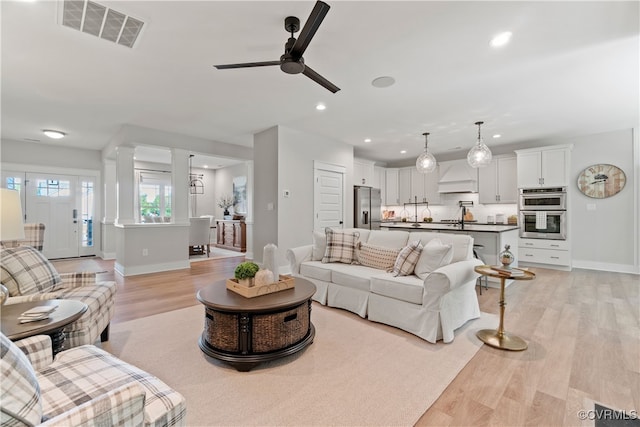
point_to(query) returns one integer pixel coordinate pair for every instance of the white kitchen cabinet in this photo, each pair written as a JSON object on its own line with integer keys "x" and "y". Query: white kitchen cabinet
{"x": 391, "y": 187}
{"x": 379, "y": 181}
{"x": 555, "y": 253}
{"x": 543, "y": 167}
{"x": 497, "y": 182}
{"x": 404, "y": 185}
{"x": 363, "y": 172}
{"x": 425, "y": 187}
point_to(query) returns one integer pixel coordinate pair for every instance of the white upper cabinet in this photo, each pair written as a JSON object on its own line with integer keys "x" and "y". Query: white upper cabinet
{"x": 379, "y": 181}
{"x": 404, "y": 185}
{"x": 363, "y": 172}
{"x": 543, "y": 167}
{"x": 424, "y": 187}
{"x": 497, "y": 182}
{"x": 391, "y": 187}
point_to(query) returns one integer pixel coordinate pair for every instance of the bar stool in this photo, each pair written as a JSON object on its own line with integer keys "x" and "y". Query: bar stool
{"x": 486, "y": 278}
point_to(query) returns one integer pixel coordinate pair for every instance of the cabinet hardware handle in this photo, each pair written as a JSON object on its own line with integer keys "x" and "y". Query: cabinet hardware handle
{"x": 528, "y": 255}
{"x": 529, "y": 244}
{"x": 555, "y": 246}
{"x": 555, "y": 257}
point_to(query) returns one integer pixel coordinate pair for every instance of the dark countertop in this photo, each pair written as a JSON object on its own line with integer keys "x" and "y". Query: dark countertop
{"x": 485, "y": 228}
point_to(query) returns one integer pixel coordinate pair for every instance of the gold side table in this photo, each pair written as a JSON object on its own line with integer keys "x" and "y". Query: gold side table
{"x": 499, "y": 338}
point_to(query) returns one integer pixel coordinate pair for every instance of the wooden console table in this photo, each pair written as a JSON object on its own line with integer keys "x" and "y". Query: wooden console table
{"x": 231, "y": 234}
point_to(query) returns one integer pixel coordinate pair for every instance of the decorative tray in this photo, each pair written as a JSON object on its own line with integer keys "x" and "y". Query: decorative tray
{"x": 285, "y": 282}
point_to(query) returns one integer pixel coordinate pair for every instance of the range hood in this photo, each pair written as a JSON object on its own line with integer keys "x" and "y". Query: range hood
{"x": 456, "y": 176}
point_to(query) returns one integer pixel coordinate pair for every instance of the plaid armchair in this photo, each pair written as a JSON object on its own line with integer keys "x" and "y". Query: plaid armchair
{"x": 82, "y": 386}
{"x": 29, "y": 276}
{"x": 33, "y": 236}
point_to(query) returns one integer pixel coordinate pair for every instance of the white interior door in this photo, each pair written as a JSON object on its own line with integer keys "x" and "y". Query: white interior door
{"x": 328, "y": 199}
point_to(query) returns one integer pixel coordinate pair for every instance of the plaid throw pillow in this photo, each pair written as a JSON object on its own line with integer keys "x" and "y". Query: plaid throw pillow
{"x": 376, "y": 256}
{"x": 20, "y": 397}
{"x": 341, "y": 246}
{"x": 407, "y": 259}
{"x": 25, "y": 271}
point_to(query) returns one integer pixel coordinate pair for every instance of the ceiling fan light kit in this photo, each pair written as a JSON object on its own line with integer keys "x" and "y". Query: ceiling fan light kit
{"x": 479, "y": 156}
{"x": 426, "y": 163}
{"x": 292, "y": 62}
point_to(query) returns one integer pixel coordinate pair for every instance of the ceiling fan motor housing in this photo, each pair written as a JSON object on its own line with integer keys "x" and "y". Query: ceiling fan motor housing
{"x": 290, "y": 65}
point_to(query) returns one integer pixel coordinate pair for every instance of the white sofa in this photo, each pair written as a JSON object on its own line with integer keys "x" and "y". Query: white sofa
{"x": 432, "y": 308}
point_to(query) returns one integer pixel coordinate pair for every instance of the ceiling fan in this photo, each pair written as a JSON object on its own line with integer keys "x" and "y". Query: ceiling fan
{"x": 291, "y": 62}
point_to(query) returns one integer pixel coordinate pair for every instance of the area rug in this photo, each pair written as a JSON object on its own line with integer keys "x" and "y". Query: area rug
{"x": 355, "y": 373}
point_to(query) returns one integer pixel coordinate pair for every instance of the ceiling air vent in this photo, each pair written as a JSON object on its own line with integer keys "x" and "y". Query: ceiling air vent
{"x": 101, "y": 21}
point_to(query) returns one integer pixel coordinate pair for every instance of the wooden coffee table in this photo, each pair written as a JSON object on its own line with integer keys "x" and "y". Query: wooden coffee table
{"x": 68, "y": 311}
{"x": 247, "y": 331}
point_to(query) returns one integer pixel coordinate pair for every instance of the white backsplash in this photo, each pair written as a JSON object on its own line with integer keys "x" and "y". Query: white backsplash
{"x": 449, "y": 209}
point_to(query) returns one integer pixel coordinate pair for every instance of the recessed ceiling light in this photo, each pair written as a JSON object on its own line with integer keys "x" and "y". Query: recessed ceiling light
{"x": 403, "y": 151}
{"x": 501, "y": 39}
{"x": 384, "y": 81}
{"x": 321, "y": 107}
{"x": 54, "y": 134}
{"x": 206, "y": 166}
{"x": 367, "y": 140}
{"x": 497, "y": 135}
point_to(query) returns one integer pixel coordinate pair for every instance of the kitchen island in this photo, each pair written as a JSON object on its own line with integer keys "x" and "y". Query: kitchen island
{"x": 492, "y": 237}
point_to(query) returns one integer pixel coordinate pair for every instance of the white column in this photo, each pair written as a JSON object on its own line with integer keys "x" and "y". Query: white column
{"x": 179, "y": 186}
{"x": 125, "y": 182}
{"x": 109, "y": 182}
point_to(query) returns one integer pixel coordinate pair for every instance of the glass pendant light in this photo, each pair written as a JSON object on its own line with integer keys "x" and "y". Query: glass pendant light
{"x": 480, "y": 155}
{"x": 426, "y": 163}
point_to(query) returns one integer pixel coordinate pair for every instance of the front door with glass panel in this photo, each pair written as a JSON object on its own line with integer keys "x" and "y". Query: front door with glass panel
{"x": 64, "y": 204}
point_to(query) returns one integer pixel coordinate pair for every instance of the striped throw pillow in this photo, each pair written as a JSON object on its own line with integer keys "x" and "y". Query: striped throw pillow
{"x": 407, "y": 259}
{"x": 376, "y": 256}
{"x": 341, "y": 246}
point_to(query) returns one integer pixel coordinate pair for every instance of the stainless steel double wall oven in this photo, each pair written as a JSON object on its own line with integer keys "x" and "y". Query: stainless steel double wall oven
{"x": 543, "y": 213}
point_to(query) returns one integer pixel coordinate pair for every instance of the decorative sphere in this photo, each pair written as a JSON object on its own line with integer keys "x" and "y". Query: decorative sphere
{"x": 264, "y": 277}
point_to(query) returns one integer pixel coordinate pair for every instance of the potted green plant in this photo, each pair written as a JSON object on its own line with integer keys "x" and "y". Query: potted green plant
{"x": 245, "y": 272}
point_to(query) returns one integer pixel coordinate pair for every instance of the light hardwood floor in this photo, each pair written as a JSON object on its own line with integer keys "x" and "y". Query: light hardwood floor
{"x": 582, "y": 328}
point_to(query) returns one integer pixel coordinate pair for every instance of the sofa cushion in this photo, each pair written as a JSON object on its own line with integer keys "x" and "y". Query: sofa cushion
{"x": 390, "y": 239}
{"x": 435, "y": 254}
{"x": 462, "y": 243}
{"x": 24, "y": 271}
{"x": 341, "y": 246}
{"x": 407, "y": 259}
{"x": 403, "y": 288}
{"x": 316, "y": 270}
{"x": 20, "y": 398}
{"x": 379, "y": 257}
{"x": 319, "y": 246}
{"x": 353, "y": 276}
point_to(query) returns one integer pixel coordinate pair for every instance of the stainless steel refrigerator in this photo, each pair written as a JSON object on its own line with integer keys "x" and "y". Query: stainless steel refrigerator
{"x": 367, "y": 205}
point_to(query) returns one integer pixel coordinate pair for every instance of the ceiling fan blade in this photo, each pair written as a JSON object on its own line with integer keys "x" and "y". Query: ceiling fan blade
{"x": 319, "y": 79}
{"x": 309, "y": 30}
{"x": 247, "y": 65}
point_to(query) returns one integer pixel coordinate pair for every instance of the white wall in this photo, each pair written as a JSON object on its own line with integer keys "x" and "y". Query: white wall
{"x": 606, "y": 238}
{"x": 283, "y": 160}
{"x": 32, "y": 153}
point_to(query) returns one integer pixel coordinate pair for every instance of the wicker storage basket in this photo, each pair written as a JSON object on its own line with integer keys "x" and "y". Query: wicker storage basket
{"x": 221, "y": 330}
{"x": 280, "y": 330}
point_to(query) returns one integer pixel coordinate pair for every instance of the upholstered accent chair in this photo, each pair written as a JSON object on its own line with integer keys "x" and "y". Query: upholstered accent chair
{"x": 82, "y": 386}
{"x": 33, "y": 236}
{"x": 199, "y": 239}
{"x": 29, "y": 276}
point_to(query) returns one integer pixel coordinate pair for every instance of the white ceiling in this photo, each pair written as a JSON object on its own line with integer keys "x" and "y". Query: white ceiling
{"x": 571, "y": 69}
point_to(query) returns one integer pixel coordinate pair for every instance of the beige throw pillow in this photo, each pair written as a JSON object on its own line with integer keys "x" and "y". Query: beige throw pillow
{"x": 435, "y": 254}
{"x": 376, "y": 256}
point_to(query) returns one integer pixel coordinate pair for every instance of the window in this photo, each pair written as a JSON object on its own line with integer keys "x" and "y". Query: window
{"x": 52, "y": 188}
{"x": 86, "y": 212}
{"x": 154, "y": 196}
{"x": 14, "y": 183}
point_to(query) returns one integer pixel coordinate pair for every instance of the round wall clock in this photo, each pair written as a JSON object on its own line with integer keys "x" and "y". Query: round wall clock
{"x": 601, "y": 181}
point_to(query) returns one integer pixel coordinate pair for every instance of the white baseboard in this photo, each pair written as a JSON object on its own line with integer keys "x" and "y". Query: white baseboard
{"x": 606, "y": 266}
{"x": 151, "y": 268}
{"x": 108, "y": 255}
